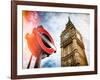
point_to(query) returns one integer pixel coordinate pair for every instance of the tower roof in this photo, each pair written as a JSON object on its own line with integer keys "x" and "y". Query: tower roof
{"x": 69, "y": 24}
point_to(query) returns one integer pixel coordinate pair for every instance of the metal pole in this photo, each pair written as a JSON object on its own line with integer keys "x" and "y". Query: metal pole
{"x": 29, "y": 62}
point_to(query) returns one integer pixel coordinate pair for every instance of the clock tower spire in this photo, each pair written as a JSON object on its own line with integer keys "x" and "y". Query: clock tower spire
{"x": 72, "y": 47}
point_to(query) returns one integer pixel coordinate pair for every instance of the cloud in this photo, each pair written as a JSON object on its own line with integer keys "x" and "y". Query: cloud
{"x": 55, "y": 23}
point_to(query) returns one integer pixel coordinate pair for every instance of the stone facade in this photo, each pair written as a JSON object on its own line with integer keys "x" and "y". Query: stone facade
{"x": 72, "y": 47}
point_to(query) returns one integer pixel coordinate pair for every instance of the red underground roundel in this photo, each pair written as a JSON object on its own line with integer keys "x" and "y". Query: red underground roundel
{"x": 45, "y": 40}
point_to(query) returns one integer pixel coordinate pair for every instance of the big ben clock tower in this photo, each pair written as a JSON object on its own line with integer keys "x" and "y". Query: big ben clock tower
{"x": 72, "y": 47}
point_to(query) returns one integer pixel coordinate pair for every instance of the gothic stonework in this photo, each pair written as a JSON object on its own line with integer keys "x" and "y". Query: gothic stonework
{"x": 72, "y": 47}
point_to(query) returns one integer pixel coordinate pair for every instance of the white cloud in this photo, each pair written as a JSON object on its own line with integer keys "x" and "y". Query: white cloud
{"x": 55, "y": 24}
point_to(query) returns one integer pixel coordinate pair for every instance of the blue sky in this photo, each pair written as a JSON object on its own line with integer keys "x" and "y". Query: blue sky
{"x": 54, "y": 23}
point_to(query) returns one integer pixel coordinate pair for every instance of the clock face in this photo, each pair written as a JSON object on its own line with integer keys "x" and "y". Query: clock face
{"x": 66, "y": 36}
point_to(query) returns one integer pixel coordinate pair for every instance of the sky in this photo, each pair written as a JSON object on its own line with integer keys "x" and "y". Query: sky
{"x": 54, "y": 23}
